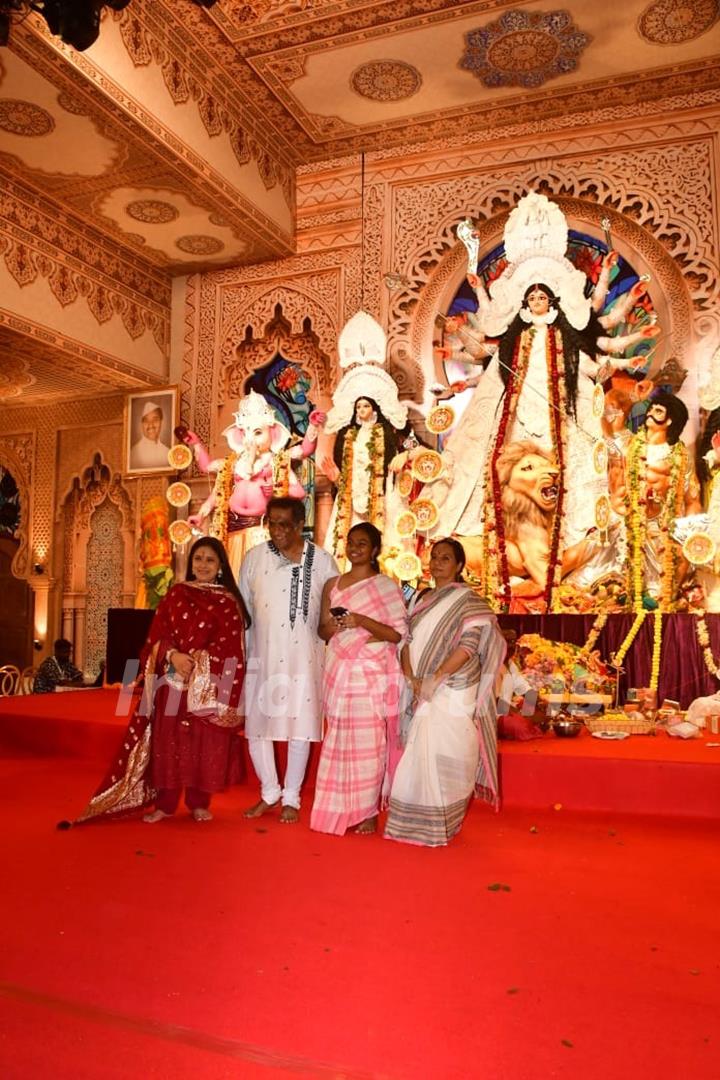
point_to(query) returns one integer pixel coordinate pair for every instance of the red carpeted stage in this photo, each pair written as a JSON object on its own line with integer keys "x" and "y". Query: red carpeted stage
{"x": 543, "y": 942}
{"x": 642, "y": 775}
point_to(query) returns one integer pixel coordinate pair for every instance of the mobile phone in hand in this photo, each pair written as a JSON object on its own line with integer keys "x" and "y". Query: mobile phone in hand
{"x": 338, "y": 612}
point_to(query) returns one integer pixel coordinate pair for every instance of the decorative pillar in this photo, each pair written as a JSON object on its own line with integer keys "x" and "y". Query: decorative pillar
{"x": 68, "y": 624}
{"x": 41, "y": 585}
{"x": 79, "y": 637}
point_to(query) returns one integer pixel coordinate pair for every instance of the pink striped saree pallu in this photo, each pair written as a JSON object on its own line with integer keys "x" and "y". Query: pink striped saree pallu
{"x": 362, "y": 682}
{"x": 451, "y": 746}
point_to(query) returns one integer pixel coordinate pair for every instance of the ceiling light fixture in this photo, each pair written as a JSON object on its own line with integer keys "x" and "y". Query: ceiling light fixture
{"x": 76, "y": 22}
{"x": 362, "y": 339}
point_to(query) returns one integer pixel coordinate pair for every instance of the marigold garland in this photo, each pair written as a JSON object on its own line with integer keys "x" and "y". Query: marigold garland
{"x": 637, "y": 539}
{"x": 632, "y": 633}
{"x": 595, "y": 631}
{"x": 495, "y": 562}
{"x": 703, "y": 639}
{"x": 376, "y": 486}
{"x": 657, "y": 649}
{"x": 224, "y": 483}
{"x": 637, "y": 518}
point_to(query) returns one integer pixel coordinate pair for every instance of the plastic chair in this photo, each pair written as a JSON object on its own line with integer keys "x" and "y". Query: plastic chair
{"x": 26, "y": 682}
{"x": 9, "y": 679}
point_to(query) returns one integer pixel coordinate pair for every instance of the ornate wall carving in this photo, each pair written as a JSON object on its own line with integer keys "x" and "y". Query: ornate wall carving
{"x": 104, "y": 580}
{"x": 149, "y": 37}
{"x": 660, "y": 198}
{"x": 653, "y": 179}
{"x": 321, "y": 290}
{"x": 97, "y": 516}
{"x": 302, "y": 348}
{"x": 81, "y": 263}
{"x": 51, "y": 460}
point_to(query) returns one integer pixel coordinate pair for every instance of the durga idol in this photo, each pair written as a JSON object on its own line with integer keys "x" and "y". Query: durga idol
{"x": 542, "y": 385}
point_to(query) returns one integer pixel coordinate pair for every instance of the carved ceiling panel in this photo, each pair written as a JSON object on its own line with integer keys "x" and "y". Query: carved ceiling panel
{"x": 40, "y": 371}
{"x": 433, "y": 62}
{"x": 94, "y": 153}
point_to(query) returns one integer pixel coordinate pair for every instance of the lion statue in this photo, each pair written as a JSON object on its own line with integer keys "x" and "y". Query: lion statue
{"x": 530, "y": 479}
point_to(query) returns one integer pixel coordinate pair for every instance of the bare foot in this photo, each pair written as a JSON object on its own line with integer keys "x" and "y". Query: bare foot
{"x": 201, "y": 814}
{"x": 368, "y": 826}
{"x": 155, "y": 816}
{"x": 259, "y": 809}
{"x": 289, "y": 815}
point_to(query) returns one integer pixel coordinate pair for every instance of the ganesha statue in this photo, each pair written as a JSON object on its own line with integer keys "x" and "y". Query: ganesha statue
{"x": 258, "y": 467}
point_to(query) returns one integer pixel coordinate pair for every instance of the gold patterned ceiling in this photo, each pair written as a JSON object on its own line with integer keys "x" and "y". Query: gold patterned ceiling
{"x": 178, "y": 133}
{"x": 172, "y": 144}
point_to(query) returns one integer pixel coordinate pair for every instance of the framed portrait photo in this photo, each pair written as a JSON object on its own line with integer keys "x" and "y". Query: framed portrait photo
{"x": 150, "y": 419}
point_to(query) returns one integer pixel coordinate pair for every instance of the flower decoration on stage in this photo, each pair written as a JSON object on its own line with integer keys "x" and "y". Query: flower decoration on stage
{"x": 560, "y": 667}
{"x": 178, "y": 494}
{"x": 440, "y": 419}
{"x": 524, "y": 48}
{"x": 180, "y": 457}
{"x": 426, "y": 514}
{"x": 405, "y": 483}
{"x": 600, "y": 457}
{"x": 695, "y": 534}
{"x": 699, "y": 549}
{"x": 407, "y": 566}
{"x": 637, "y": 519}
{"x": 427, "y": 465}
{"x": 406, "y": 524}
{"x": 180, "y": 533}
{"x": 702, "y": 634}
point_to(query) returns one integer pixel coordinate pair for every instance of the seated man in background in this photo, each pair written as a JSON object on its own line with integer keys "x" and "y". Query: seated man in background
{"x": 57, "y": 670}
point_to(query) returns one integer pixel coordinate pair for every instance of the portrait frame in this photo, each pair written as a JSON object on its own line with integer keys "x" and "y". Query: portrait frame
{"x": 141, "y": 456}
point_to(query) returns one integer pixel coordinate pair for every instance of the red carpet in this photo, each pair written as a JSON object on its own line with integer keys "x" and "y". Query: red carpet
{"x": 650, "y": 775}
{"x": 251, "y": 949}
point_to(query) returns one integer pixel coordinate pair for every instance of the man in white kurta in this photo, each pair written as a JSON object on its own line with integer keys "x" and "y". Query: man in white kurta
{"x": 282, "y": 583}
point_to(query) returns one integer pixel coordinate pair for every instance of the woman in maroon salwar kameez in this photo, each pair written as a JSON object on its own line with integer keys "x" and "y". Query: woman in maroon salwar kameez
{"x": 183, "y": 733}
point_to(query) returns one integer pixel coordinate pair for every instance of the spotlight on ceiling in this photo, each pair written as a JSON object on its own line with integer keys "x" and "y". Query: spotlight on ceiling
{"x": 76, "y": 22}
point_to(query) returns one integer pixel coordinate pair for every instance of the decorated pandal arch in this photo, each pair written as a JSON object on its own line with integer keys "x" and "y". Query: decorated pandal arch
{"x": 619, "y": 526}
{"x": 555, "y": 437}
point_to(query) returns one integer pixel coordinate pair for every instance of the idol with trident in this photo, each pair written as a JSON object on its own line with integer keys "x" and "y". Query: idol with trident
{"x": 540, "y": 387}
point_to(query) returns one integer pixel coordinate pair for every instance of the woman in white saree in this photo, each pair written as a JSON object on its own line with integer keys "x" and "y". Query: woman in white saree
{"x": 451, "y": 663}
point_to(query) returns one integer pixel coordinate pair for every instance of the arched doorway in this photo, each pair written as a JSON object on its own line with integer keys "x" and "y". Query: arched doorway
{"x": 16, "y": 610}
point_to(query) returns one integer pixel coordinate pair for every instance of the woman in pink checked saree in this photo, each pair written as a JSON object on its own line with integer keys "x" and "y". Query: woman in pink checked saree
{"x": 364, "y": 620}
{"x": 451, "y": 662}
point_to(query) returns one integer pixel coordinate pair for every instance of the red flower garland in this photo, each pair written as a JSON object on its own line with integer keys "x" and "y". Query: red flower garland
{"x": 512, "y": 389}
{"x": 556, "y": 375}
